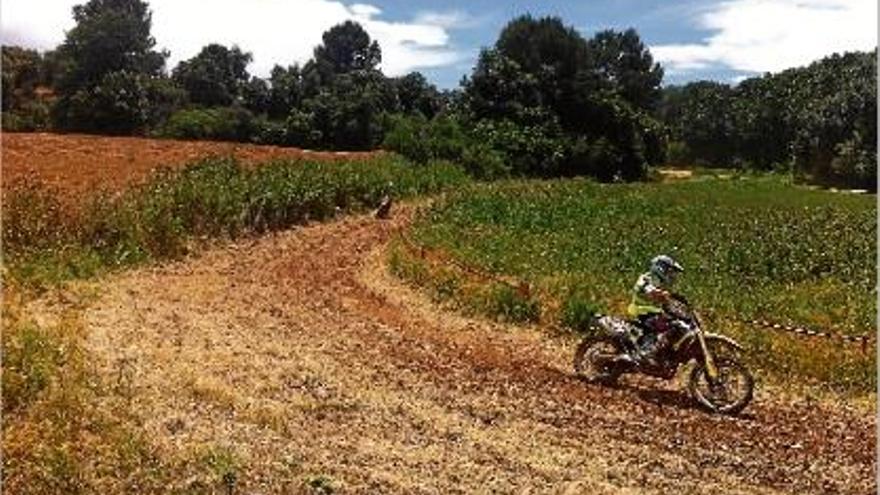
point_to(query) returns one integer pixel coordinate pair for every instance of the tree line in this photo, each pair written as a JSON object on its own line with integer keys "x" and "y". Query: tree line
{"x": 541, "y": 101}
{"x": 819, "y": 121}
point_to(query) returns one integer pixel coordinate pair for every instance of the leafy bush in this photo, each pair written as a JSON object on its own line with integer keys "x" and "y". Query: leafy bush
{"x": 678, "y": 153}
{"x": 443, "y": 138}
{"x": 531, "y": 150}
{"x": 220, "y": 124}
{"x": 121, "y": 103}
{"x": 29, "y": 117}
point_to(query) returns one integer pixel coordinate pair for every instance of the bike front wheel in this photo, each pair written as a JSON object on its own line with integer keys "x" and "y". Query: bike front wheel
{"x": 729, "y": 393}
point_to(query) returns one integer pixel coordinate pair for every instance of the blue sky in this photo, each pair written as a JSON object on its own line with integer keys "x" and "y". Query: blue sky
{"x": 725, "y": 40}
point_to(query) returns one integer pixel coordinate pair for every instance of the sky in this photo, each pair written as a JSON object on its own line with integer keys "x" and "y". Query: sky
{"x": 723, "y": 40}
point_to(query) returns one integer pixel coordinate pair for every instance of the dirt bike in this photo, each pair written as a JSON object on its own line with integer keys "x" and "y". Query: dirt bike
{"x": 719, "y": 381}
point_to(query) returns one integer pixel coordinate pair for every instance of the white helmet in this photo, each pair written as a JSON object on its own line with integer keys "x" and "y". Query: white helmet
{"x": 665, "y": 268}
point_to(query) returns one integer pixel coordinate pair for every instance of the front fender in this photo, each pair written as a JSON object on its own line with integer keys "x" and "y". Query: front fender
{"x": 723, "y": 338}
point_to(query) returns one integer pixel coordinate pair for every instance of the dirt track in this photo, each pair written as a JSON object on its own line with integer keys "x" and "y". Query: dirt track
{"x": 299, "y": 353}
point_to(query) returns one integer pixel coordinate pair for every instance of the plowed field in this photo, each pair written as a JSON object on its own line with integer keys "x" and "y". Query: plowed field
{"x": 76, "y": 164}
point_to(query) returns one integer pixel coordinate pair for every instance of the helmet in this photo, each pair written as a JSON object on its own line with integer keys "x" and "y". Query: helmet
{"x": 665, "y": 268}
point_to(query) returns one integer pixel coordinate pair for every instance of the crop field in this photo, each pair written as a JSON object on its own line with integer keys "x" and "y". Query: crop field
{"x": 76, "y": 164}
{"x": 752, "y": 248}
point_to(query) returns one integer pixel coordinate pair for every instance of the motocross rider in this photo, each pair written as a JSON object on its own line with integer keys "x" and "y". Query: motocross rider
{"x": 651, "y": 291}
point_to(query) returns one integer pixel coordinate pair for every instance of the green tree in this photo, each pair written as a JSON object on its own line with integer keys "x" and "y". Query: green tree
{"x": 626, "y": 63}
{"x": 500, "y": 88}
{"x": 21, "y": 69}
{"x": 416, "y": 95}
{"x": 346, "y": 47}
{"x": 109, "y": 36}
{"x": 122, "y": 103}
{"x": 215, "y": 77}
{"x": 285, "y": 92}
{"x": 540, "y": 97}
{"x": 345, "y": 114}
{"x": 108, "y": 70}
{"x": 703, "y": 119}
{"x": 551, "y": 53}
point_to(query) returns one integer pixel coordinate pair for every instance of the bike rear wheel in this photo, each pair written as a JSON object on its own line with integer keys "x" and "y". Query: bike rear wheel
{"x": 591, "y": 360}
{"x": 729, "y": 393}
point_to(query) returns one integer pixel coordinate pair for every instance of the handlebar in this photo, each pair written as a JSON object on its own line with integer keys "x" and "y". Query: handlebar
{"x": 670, "y": 307}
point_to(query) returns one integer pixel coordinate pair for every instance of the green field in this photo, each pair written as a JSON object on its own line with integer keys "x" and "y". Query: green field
{"x": 752, "y": 247}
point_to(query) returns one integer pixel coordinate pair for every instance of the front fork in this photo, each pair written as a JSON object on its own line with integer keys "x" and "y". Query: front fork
{"x": 711, "y": 369}
{"x": 708, "y": 359}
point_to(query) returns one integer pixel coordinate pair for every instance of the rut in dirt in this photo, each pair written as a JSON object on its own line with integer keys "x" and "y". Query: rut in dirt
{"x": 445, "y": 403}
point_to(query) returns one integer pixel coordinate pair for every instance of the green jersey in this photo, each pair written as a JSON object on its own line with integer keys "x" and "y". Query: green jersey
{"x": 641, "y": 303}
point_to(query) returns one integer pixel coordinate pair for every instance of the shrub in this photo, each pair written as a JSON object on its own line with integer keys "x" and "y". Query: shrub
{"x": 221, "y": 124}
{"x": 30, "y": 117}
{"x": 533, "y": 150}
{"x": 512, "y": 305}
{"x": 577, "y": 313}
{"x": 443, "y": 138}
{"x": 678, "y": 153}
{"x": 121, "y": 103}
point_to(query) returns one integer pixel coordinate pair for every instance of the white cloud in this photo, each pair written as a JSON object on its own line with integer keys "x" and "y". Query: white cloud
{"x": 455, "y": 19}
{"x": 773, "y": 35}
{"x": 274, "y": 31}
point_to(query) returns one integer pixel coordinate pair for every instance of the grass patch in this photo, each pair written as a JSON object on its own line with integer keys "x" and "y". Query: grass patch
{"x": 753, "y": 247}
{"x": 62, "y": 430}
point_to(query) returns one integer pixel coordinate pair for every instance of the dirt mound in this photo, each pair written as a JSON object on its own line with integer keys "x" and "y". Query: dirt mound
{"x": 302, "y": 356}
{"x": 78, "y": 164}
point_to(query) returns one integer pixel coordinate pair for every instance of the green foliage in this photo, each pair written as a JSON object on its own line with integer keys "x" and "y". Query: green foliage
{"x": 121, "y": 103}
{"x": 28, "y": 117}
{"x": 752, "y": 248}
{"x": 21, "y": 75}
{"x": 345, "y": 114}
{"x": 212, "y": 198}
{"x": 217, "y": 76}
{"x": 537, "y": 149}
{"x": 509, "y": 304}
{"x": 700, "y": 115}
{"x": 285, "y": 92}
{"x": 105, "y": 59}
{"x": 810, "y": 120}
{"x": 31, "y": 357}
{"x": 346, "y": 48}
{"x": 622, "y": 57}
{"x": 416, "y": 96}
{"x": 24, "y": 71}
{"x": 443, "y": 138}
{"x": 109, "y": 36}
{"x": 577, "y": 313}
{"x": 220, "y": 124}
{"x": 555, "y": 104}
